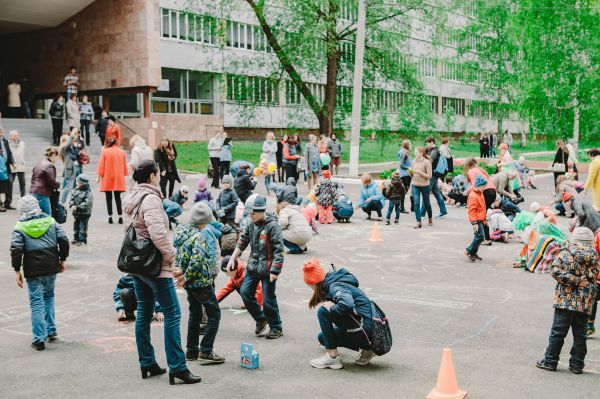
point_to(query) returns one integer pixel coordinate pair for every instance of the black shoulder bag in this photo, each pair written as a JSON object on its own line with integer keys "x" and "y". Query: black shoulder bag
{"x": 139, "y": 256}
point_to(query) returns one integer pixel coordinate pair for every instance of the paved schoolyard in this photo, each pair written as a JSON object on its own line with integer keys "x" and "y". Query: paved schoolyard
{"x": 496, "y": 320}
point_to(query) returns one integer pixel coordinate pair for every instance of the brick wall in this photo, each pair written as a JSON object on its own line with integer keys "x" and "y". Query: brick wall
{"x": 114, "y": 44}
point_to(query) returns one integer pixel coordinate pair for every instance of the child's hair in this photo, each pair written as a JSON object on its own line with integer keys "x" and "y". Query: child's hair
{"x": 406, "y": 144}
{"x": 444, "y": 140}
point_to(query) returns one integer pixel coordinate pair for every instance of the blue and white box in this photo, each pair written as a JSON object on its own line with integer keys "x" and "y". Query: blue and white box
{"x": 249, "y": 357}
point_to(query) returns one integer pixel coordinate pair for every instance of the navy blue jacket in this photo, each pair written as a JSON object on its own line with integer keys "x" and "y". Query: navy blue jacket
{"x": 341, "y": 288}
{"x": 127, "y": 282}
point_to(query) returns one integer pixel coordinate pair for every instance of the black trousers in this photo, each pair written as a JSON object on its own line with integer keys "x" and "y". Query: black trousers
{"x": 291, "y": 170}
{"x": 117, "y": 195}
{"x": 9, "y": 189}
{"x": 85, "y": 130}
{"x": 167, "y": 178}
{"x": 280, "y": 172}
{"x": 224, "y": 168}
{"x": 129, "y": 301}
{"x": 57, "y": 126}
{"x": 489, "y": 195}
{"x": 215, "y": 163}
{"x": 406, "y": 182}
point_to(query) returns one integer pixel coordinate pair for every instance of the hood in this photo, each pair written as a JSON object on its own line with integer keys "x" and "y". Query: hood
{"x": 35, "y": 226}
{"x": 241, "y": 172}
{"x": 339, "y": 276}
{"x": 295, "y": 208}
{"x": 140, "y": 143}
{"x": 135, "y": 195}
{"x": 182, "y": 233}
{"x": 290, "y": 181}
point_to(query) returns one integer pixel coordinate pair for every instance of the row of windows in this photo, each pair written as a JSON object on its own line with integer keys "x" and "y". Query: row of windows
{"x": 252, "y": 89}
{"x": 249, "y": 37}
{"x": 456, "y": 104}
{"x": 456, "y": 38}
{"x": 190, "y": 27}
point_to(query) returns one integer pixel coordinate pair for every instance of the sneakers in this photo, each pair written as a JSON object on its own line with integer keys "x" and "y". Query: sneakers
{"x": 364, "y": 357}
{"x": 52, "y": 337}
{"x": 211, "y": 358}
{"x": 38, "y": 346}
{"x": 387, "y": 222}
{"x": 441, "y": 215}
{"x": 505, "y": 238}
{"x": 590, "y": 330}
{"x": 545, "y": 366}
{"x": 396, "y": 221}
{"x": 477, "y": 257}
{"x": 261, "y": 326}
{"x": 274, "y": 334}
{"x": 575, "y": 371}
{"x": 327, "y": 362}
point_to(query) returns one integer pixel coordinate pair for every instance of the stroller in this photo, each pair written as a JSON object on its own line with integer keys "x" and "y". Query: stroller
{"x": 343, "y": 209}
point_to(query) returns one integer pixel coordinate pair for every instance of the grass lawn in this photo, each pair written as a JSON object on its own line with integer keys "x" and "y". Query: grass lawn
{"x": 193, "y": 156}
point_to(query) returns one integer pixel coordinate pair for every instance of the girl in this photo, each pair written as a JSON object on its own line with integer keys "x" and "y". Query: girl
{"x": 345, "y": 315}
{"x": 203, "y": 194}
{"x": 561, "y": 160}
{"x": 264, "y": 167}
{"x": 421, "y": 173}
{"x": 404, "y": 163}
{"x": 279, "y": 155}
{"x": 225, "y": 156}
{"x": 165, "y": 155}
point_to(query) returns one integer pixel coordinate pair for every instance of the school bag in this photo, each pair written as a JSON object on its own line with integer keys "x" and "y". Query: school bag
{"x": 381, "y": 341}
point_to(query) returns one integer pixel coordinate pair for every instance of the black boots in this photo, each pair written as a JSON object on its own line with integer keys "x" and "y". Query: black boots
{"x": 185, "y": 376}
{"x": 151, "y": 371}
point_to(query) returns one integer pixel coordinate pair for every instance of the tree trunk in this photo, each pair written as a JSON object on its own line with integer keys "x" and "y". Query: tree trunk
{"x": 326, "y": 122}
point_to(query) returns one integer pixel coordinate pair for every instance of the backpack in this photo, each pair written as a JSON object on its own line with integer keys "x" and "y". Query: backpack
{"x": 381, "y": 340}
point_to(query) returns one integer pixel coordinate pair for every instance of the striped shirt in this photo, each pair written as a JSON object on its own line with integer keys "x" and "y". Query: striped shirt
{"x": 71, "y": 82}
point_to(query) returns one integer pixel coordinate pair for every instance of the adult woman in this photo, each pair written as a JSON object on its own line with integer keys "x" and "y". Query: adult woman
{"x": 446, "y": 152}
{"x": 484, "y": 145}
{"x": 404, "y": 163}
{"x": 335, "y": 152}
{"x": 17, "y": 148}
{"x": 140, "y": 152}
{"x": 421, "y": 174}
{"x": 471, "y": 171}
{"x": 507, "y": 164}
{"x": 57, "y": 115}
{"x": 144, "y": 206}
{"x": 165, "y": 156}
{"x": 312, "y": 161}
{"x": 371, "y": 199}
{"x": 111, "y": 171}
{"x": 345, "y": 315}
{"x": 113, "y": 131}
{"x": 561, "y": 160}
{"x": 225, "y": 156}
{"x": 280, "y": 166}
{"x": 73, "y": 116}
{"x": 295, "y": 229}
{"x": 322, "y": 144}
{"x": 298, "y": 146}
{"x": 43, "y": 180}
{"x": 214, "y": 153}
{"x": 270, "y": 148}
{"x": 86, "y": 114}
{"x": 593, "y": 179}
{"x": 572, "y": 157}
{"x": 71, "y": 145}
{"x": 290, "y": 159}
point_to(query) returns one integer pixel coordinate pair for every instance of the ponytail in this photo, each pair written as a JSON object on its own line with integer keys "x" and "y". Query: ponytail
{"x": 142, "y": 173}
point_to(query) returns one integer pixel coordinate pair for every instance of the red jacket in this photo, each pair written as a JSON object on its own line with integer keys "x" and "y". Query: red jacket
{"x": 476, "y": 206}
{"x": 235, "y": 283}
{"x": 286, "y": 154}
{"x": 113, "y": 133}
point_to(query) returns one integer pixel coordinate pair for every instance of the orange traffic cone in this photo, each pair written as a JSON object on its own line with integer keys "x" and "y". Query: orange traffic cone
{"x": 375, "y": 234}
{"x": 447, "y": 387}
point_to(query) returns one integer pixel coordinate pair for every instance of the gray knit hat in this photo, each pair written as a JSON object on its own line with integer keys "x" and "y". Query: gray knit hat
{"x": 228, "y": 179}
{"x": 83, "y": 179}
{"x": 201, "y": 213}
{"x": 256, "y": 204}
{"x": 582, "y": 235}
{"x": 29, "y": 205}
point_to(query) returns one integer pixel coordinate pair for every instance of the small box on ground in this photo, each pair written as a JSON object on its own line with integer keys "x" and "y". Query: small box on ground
{"x": 249, "y": 357}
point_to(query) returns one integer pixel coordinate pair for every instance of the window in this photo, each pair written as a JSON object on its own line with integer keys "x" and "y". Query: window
{"x": 426, "y": 67}
{"x": 349, "y": 10}
{"x": 292, "y": 94}
{"x": 434, "y": 104}
{"x": 454, "y": 72}
{"x": 249, "y": 37}
{"x": 189, "y": 27}
{"x": 252, "y": 89}
{"x": 347, "y": 50}
{"x": 188, "y": 92}
{"x": 457, "y": 104}
{"x": 344, "y": 96}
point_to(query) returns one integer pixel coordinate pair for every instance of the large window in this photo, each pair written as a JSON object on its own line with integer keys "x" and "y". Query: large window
{"x": 248, "y": 37}
{"x": 187, "y": 26}
{"x": 457, "y": 104}
{"x": 433, "y": 101}
{"x": 252, "y": 89}
{"x": 184, "y": 92}
{"x": 426, "y": 66}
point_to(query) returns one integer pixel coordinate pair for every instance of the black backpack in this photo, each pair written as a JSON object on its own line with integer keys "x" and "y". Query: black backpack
{"x": 381, "y": 340}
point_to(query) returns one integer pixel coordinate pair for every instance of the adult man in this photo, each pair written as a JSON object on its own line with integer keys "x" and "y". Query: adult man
{"x": 71, "y": 82}
{"x": 434, "y": 155}
{"x": 6, "y": 154}
{"x": 263, "y": 235}
{"x": 508, "y": 139}
{"x": 493, "y": 144}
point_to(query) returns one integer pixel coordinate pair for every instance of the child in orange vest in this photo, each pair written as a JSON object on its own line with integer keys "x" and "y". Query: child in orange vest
{"x": 477, "y": 216}
{"x": 235, "y": 282}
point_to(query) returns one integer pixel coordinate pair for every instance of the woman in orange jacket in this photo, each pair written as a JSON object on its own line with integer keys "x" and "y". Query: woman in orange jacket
{"x": 111, "y": 171}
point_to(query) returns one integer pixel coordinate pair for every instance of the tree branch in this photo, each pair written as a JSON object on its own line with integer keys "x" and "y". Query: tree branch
{"x": 347, "y": 31}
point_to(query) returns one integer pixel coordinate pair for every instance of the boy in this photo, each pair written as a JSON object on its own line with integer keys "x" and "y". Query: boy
{"x": 477, "y": 216}
{"x": 394, "y": 192}
{"x": 326, "y": 192}
{"x": 235, "y": 282}
{"x": 181, "y": 195}
{"x": 40, "y": 246}
{"x": 126, "y": 301}
{"x": 81, "y": 203}
{"x": 263, "y": 234}
{"x": 197, "y": 254}
{"x": 575, "y": 270}
{"x": 227, "y": 202}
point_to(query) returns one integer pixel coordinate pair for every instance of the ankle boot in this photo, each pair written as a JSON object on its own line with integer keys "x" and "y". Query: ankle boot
{"x": 185, "y": 376}
{"x": 430, "y": 221}
{"x": 152, "y": 370}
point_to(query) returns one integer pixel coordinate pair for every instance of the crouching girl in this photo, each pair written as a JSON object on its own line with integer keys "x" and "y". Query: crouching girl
{"x": 344, "y": 314}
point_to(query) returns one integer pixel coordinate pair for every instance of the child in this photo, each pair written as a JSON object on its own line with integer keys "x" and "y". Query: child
{"x": 524, "y": 173}
{"x": 40, "y": 246}
{"x": 172, "y": 209}
{"x": 310, "y": 213}
{"x": 343, "y": 209}
{"x": 181, "y": 195}
{"x": 289, "y": 193}
{"x": 575, "y": 270}
{"x": 394, "y": 192}
{"x": 509, "y": 208}
{"x": 227, "y": 202}
{"x": 235, "y": 282}
{"x": 203, "y": 193}
{"x": 126, "y": 301}
{"x": 197, "y": 254}
{"x": 326, "y": 192}
{"x": 476, "y": 209}
{"x": 81, "y": 203}
{"x": 460, "y": 187}
{"x": 264, "y": 167}
{"x": 501, "y": 228}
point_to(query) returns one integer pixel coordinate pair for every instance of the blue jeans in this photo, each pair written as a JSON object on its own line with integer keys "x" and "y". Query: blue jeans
{"x": 271, "y": 308}
{"x": 80, "y": 227}
{"x": 435, "y": 190}
{"x": 291, "y": 247}
{"x": 69, "y": 184}
{"x": 417, "y": 192}
{"x": 41, "y": 302}
{"x": 563, "y": 320}
{"x": 44, "y": 202}
{"x": 163, "y": 289}
{"x": 394, "y": 204}
{"x": 268, "y": 183}
{"x": 335, "y": 331}
{"x": 478, "y": 238}
{"x": 213, "y": 313}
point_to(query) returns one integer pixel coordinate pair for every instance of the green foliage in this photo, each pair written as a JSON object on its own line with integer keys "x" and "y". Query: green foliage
{"x": 387, "y": 174}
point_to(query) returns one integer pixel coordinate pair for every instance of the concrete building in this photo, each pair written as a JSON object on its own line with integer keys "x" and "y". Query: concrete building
{"x": 184, "y": 67}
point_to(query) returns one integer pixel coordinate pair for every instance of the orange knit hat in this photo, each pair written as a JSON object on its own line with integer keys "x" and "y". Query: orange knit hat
{"x": 313, "y": 272}
{"x": 326, "y": 174}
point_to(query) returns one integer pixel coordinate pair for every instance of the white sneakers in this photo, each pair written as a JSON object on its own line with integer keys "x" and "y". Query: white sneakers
{"x": 364, "y": 357}
{"x": 327, "y": 362}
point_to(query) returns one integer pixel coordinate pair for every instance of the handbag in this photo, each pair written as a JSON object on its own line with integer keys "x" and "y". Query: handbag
{"x": 300, "y": 167}
{"x": 139, "y": 256}
{"x": 558, "y": 167}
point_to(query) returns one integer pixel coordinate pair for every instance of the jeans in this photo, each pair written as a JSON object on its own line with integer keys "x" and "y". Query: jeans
{"x": 478, "y": 237}
{"x": 80, "y": 227}
{"x": 271, "y": 308}
{"x": 215, "y": 163}
{"x": 334, "y": 331}
{"x": 435, "y": 190}
{"x": 394, "y": 204}
{"x": 41, "y": 302}
{"x": 163, "y": 289}
{"x": 109, "y": 208}
{"x": 372, "y": 206}
{"x": 417, "y": 192}
{"x": 69, "y": 184}
{"x": 268, "y": 183}
{"x": 224, "y": 168}
{"x": 212, "y": 325}
{"x": 291, "y": 247}
{"x": 563, "y": 320}
{"x": 13, "y": 177}
{"x": 85, "y": 130}
{"x": 44, "y": 202}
